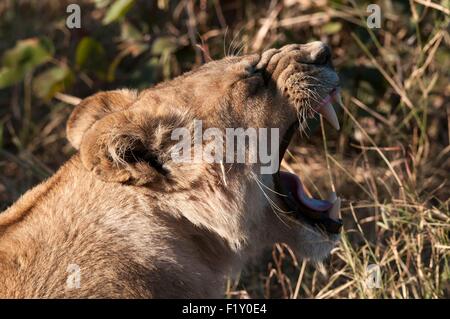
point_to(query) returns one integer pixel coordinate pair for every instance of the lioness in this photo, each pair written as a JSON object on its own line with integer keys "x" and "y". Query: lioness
{"x": 122, "y": 219}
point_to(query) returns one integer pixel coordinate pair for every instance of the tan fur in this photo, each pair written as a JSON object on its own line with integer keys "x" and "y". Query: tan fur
{"x": 140, "y": 225}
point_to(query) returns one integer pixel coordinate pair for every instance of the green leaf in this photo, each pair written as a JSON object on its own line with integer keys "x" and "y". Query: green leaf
{"x": 87, "y": 50}
{"x": 24, "y": 57}
{"x": 111, "y": 74}
{"x": 9, "y": 77}
{"x": 101, "y": 3}
{"x": 117, "y": 10}
{"x": 129, "y": 33}
{"x": 163, "y": 45}
{"x": 56, "y": 79}
{"x": 163, "y": 4}
{"x": 332, "y": 27}
{"x": 28, "y": 54}
{"x": 90, "y": 56}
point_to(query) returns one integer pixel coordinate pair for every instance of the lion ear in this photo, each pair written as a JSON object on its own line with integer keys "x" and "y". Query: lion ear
{"x": 93, "y": 109}
{"x": 132, "y": 146}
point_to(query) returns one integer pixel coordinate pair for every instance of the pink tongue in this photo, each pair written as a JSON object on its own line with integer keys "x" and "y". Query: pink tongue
{"x": 329, "y": 98}
{"x": 295, "y": 185}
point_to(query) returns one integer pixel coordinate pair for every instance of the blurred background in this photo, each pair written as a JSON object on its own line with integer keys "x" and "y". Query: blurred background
{"x": 390, "y": 162}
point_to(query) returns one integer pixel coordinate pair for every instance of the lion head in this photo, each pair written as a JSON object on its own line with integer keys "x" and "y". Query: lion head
{"x": 127, "y": 137}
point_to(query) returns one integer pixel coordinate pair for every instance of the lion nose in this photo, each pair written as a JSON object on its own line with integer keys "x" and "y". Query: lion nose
{"x": 275, "y": 61}
{"x": 320, "y": 53}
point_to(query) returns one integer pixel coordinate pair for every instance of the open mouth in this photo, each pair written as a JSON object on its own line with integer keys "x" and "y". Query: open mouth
{"x": 323, "y": 214}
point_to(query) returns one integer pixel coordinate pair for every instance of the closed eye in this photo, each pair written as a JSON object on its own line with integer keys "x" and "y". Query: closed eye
{"x": 263, "y": 74}
{"x": 254, "y": 82}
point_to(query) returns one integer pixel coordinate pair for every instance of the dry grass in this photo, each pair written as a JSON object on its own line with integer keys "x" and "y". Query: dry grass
{"x": 390, "y": 162}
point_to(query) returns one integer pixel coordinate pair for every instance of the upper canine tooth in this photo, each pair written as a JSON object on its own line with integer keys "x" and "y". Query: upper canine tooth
{"x": 329, "y": 114}
{"x": 335, "y": 211}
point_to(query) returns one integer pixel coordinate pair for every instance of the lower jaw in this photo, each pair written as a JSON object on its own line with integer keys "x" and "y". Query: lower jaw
{"x": 304, "y": 214}
{"x": 300, "y": 212}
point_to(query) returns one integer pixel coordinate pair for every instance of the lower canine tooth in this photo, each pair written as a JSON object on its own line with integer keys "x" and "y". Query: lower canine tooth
{"x": 332, "y": 197}
{"x": 339, "y": 98}
{"x": 335, "y": 210}
{"x": 329, "y": 114}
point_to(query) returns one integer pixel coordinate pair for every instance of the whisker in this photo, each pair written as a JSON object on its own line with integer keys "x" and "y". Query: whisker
{"x": 230, "y": 48}
{"x": 272, "y": 204}
{"x": 224, "y": 42}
